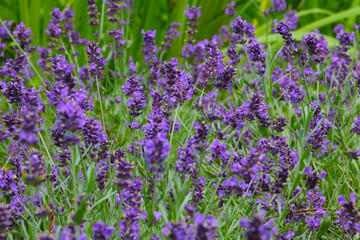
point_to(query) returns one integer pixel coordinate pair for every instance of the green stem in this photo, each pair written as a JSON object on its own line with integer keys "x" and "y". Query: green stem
{"x": 304, "y": 80}
{"x": 101, "y": 105}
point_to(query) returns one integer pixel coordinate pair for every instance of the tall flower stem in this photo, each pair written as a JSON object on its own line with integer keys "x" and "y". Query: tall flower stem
{"x": 101, "y": 105}
{"x": 203, "y": 150}
{"x": 304, "y": 80}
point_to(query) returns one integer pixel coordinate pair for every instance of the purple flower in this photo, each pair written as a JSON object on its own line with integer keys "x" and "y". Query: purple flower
{"x": 132, "y": 85}
{"x": 257, "y": 228}
{"x": 338, "y": 28}
{"x": 23, "y": 37}
{"x": 178, "y": 231}
{"x": 70, "y": 116}
{"x": 157, "y": 150}
{"x": 137, "y": 103}
{"x": 5, "y": 221}
{"x": 199, "y": 190}
{"x": 63, "y": 71}
{"x": 157, "y": 216}
{"x": 29, "y": 123}
{"x": 291, "y": 19}
{"x": 205, "y": 228}
{"x": 345, "y": 39}
{"x": 149, "y": 48}
{"x": 102, "y": 231}
{"x": 279, "y": 124}
{"x": 93, "y": 13}
{"x": 129, "y": 227}
{"x": 312, "y": 177}
{"x": 123, "y": 172}
{"x": 233, "y": 54}
{"x": 192, "y": 14}
{"x": 348, "y": 215}
{"x": 278, "y": 5}
{"x": 34, "y": 170}
{"x": 229, "y": 10}
{"x": 12, "y": 67}
{"x": 284, "y": 30}
{"x": 170, "y": 35}
{"x": 186, "y": 161}
{"x": 13, "y": 90}
{"x": 242, "y": 31}
{"x": 97, "y": 63}
{"x": 93, "y": 132}
{"x": 317, "y": 46}
{"x": 9, "y": 183}
{"x": 224, "y": 77}
{"x": 257, "y": 54}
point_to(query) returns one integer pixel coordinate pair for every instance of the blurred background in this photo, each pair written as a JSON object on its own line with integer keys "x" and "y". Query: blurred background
{"x": 158, "y": 14}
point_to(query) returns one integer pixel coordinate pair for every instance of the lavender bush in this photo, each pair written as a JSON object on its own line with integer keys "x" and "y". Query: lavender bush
{"x": 235, "y": 139}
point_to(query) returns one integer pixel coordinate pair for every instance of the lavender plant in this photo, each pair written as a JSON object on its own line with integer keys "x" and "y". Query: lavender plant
{"x": 234, "y": 139}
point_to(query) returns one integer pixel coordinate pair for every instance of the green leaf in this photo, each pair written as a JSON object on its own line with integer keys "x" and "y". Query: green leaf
{"x": 324, "y": 227}
{"x": 331, "y": 19}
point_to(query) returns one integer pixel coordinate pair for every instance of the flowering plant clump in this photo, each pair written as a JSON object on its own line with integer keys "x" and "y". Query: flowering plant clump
{"x": 235, "y": 138}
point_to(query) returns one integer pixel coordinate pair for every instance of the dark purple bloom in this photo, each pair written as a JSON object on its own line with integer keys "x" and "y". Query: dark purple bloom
{"x": 192, "y": 14}
{"x": 317, "y": 46}
{"x": 97, "y": 63}
{"x": 345, "y": 39}
{"x": 123, "y": 172}
{"x": 242, "y": 31}
{"x": 130, "y": 199}
{"x": 19, "y": 66}
{"x": 257, "y": 228}
{"x": 205, "y": 228}
{"x": 13, "y": 90}
{"x": 284, "y": 30}
{"x": 233, "y": 54}
{"x": 23, "y": 37}
{"x": 280, "y": 124}
{"x": 312, "y": 177}
{"x": 199, "y": 190}
{"x": 132, "y": 85}
{"x": 93, "y": 132}
{"x": 45, "y": 237}
{"x": 9, "y": 183}
{"x": 102, "y": 231}
{"x": 93, "y": 12}
{"x": 137, "y": 103}
{"x": 294, "y": 94}
{"x": 348, "y": 215}
{"x": 224, "y": 77}
{"x": 186, "y": 161}
{"x": 62, "y": 140}
{"x": 63, "y": 71}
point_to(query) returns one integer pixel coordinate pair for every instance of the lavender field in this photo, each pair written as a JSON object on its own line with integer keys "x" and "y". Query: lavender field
{"x": 122, "y": 130}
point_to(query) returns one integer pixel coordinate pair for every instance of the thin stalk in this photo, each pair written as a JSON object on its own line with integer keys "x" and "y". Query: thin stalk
{"x": 101, "y": 105}
{"x": 102, "y": 18}
{"x": 203, "y": 151}
{"x": 304, "y": 80}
